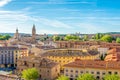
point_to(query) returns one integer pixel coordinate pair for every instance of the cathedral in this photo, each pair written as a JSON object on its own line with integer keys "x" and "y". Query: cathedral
{"x": 18, "y": 38}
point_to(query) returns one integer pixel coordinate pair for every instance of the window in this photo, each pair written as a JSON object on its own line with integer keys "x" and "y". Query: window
{"x": 66, "y": 70}
{"x": 109, "y": 72}
{"x": 103, "y": 73}
{"x": 76, "y": 71}
{"x": 71, "y": 75}
{"x": 25, "y": 63}
{"x": 97, "y": 77}
{"x": 47, "y": 70}
{"x": 92, "y": 72}
{"x": 81, "y": 72}
{"x": 116, "y": 72}
{"x": 66, "y": 74}
{"x": 76, "y": 75}
{"x": 33, "y": 65}
{"x": 98, "y": 72}
{"x": 5, "y": 51}
{"x": 71, "y": 71}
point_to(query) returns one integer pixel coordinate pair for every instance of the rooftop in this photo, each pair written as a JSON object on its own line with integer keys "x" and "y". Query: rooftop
{"x": 70, "y": 52}
{"x": 94, "y": 64}
{"x": 43, "y": 62}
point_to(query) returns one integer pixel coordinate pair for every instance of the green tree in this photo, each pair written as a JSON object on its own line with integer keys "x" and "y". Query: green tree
{"x": 56, "y": 38}
{"x": 7, "y": 36}
{"x": 97, "y": 36}
{"x": 111, "y": 77}
{"x": 62, "y": 77}
{"x": 30, "y": 74}
{"x": 86, "y": 77}
{"x": 101, "y": 35}
{"x": 102, "y": 57}
{"x": 85, "y": 38}
{"x": 107, "y": 38}
{"x": 71, "y": 37}
{"x": 118, "y": 40}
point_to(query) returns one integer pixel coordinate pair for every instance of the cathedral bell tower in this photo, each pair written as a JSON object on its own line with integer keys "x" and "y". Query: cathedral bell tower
{"x": 16, "y": 35}
{"x": 33, "y": 33}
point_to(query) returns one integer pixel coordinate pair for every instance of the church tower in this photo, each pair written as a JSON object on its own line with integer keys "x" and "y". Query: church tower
{"x": 33, "y": 33}
{"x": 16, "y": 35}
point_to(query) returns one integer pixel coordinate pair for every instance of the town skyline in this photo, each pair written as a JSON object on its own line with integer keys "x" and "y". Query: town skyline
{"x": 60, "y": 17}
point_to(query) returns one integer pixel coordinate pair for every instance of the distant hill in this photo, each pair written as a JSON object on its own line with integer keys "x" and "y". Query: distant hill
{"x": 113, "y": 33}
{"x": 12, "y": 34}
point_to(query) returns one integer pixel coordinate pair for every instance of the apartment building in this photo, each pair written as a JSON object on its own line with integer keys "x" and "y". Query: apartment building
{"x": 10, "y": 55}
{"x": 65, "y": 56}
{"x": 48, "y": 70}
{"x": 97, "y": 68}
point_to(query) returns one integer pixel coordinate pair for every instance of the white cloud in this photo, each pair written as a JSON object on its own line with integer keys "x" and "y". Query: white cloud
{"x": 54, "y": 23}
{"x": 60, "y": 2}
{"x": 12, "y": 19}
{"x": 4, "y": 2}
{"x": 90, "y": 28}
{"x": 13, "y": 16}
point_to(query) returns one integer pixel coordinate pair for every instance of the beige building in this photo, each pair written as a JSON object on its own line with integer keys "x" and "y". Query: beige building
{"x": 65, "y": 56}
{"x": 85, "y": 44}
{"x": 48, "y": 70}
{"x": 10, "y": 55}
{"x": 113, "y": 55}
{"x": 75, "y": 44}
{"x": 98, "y": 68}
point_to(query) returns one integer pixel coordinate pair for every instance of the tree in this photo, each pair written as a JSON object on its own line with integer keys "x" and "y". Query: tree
{"x": 118, "y": 40}
{"x": 111, "y": 77}
{"x": 5, "y": 37}
{"x": 86, "y": 77}
{"x": 62, "y": 77}
{"x": 56, "y": 38}
{"x": 30, "y": 74}
{"x": 71, "y": 37}
{"x": 85, "y": 38}
{"x": 102, "y": 57}
{"x": 107, "y": 38}
{"x": 97, "y": 36}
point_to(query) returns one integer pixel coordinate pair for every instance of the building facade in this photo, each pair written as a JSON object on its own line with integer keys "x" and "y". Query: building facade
{"x": 47, "y": 69}
{"x": 10, "y": 55}
{"x": 85, "y": 44}
{"x": 97, "y": 68}
{"x": 65, "y": 56}
{"x": 113, "y": 55}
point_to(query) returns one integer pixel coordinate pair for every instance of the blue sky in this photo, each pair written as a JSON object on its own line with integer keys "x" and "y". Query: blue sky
{"x": 60, "y": 16}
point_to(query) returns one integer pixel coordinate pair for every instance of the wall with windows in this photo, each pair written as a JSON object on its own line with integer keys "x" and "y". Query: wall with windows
{"x": 99, "y": 73}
